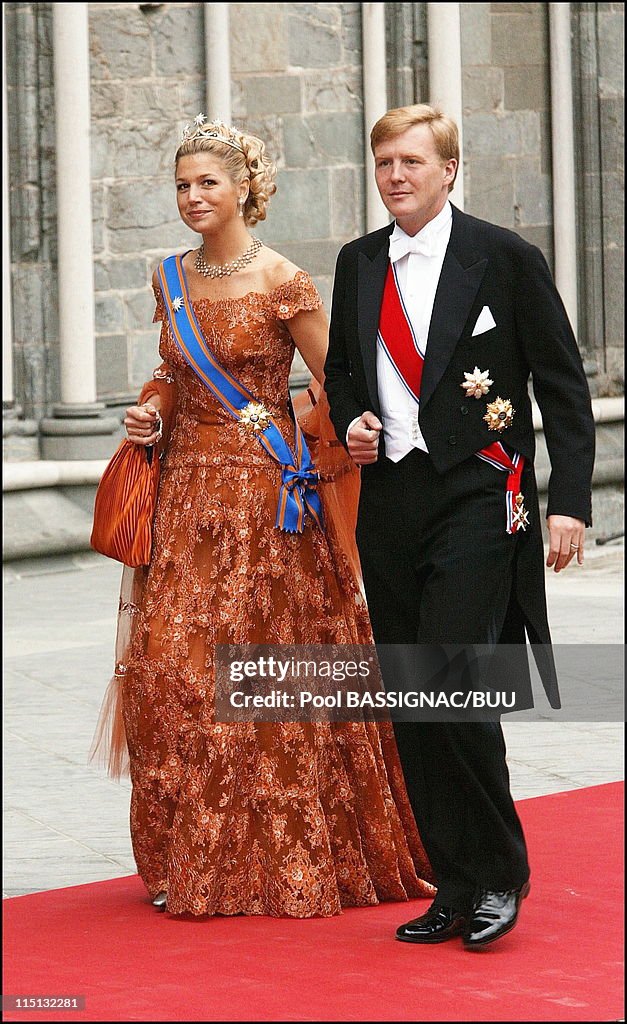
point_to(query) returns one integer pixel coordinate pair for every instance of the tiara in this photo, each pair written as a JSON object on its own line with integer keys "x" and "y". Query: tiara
{"x": 200, "y": 128}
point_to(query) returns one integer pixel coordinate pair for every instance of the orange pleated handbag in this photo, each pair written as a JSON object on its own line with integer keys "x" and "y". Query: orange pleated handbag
{"x": 124, "y": 508}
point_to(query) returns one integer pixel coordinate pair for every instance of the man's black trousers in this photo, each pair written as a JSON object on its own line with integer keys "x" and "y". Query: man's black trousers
{"x": 438, "y": 566}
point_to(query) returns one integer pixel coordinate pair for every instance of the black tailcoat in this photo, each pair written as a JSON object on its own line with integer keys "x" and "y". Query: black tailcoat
{"x": 484, "y": 265}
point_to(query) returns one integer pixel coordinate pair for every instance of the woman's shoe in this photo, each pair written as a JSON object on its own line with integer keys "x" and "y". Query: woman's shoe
{"x": 160, "y": 901}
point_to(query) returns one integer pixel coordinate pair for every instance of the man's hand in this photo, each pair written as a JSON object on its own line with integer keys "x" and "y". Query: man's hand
{"x": 363, "y": 439}
{"x": 566, "y": 540}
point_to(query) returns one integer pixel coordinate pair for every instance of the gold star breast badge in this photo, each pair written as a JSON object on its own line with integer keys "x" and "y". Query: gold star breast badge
{"x": 254, "y": 417}
{"x": 500, "y": 414}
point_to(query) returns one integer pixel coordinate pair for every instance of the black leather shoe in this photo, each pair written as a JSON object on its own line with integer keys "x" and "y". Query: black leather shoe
{"x": 493, "y": 914}
{"x": 437, "y": 925}
{"x": 160, "y": 901}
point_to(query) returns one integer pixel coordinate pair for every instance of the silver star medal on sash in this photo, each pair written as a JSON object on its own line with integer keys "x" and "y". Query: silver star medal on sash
{"x": 477, "y": 383}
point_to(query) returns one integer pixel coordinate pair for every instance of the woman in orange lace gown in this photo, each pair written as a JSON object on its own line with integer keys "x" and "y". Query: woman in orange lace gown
{"x": 294, "y": 819}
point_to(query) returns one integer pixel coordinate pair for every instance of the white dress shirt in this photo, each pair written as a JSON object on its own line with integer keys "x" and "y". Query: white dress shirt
{"x": 417, "y": 273}
{"x": 418, "y": 262}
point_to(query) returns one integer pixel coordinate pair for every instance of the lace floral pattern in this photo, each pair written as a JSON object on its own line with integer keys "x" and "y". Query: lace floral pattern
{"x": 283, "y": 819}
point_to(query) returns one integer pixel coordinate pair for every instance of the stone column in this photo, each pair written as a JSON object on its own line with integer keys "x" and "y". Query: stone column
{"x": 563, "y": 150}
{"x": 406, "y": 44}
{"x": 218, "y": 61}
{"x": 8, "y": 408}
{"x": 445, "y": 74}
{"x": 77, "y": 429}
{"x": 19, "y": 435}
{"x": 599, "y": 158}
{"x": 591, "y": 313}
{"x": 375, "y": 103}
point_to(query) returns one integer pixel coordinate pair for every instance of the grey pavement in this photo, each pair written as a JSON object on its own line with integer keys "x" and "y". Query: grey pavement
{"x": 66, "y": 822}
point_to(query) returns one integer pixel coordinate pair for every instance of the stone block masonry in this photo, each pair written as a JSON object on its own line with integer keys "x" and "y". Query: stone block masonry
{"x": 297, "y": 82}
{"x": 505, "y": 53}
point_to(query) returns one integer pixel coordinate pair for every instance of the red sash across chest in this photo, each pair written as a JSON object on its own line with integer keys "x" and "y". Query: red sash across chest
{"x": 397, "y": 337}
{"x": 398, "y": 340}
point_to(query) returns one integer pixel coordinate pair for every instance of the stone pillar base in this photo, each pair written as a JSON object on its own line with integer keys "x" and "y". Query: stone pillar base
{"x": 20, "y": 438}
{"x": 78, "y": 432}
{"x": 10, "y": 410}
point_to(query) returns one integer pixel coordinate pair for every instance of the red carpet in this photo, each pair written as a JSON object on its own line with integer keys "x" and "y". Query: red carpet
{"x": 562, "y": 962}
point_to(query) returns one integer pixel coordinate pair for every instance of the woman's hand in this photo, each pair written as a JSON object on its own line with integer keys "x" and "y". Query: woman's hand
{"x": 143, "y": 423}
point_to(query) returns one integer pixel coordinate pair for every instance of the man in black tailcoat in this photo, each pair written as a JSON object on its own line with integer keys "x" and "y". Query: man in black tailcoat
{"x": 438, "y": 321}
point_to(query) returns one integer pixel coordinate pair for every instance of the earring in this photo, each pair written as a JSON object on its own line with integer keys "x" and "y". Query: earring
{"x": 241, "y": 207}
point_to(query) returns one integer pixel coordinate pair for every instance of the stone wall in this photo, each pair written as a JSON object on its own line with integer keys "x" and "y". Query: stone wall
{"x": 507, "y": 132}
{"x": 147, "y": 75}
{"x": 298, "y": 84}
{"x": 32, "y": 206}
{"x": 297, "y": 81}
{"x": 507, "y": 145}
{"x": 598, "y": 62}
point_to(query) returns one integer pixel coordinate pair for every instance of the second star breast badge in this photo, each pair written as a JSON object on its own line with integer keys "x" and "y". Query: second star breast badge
{"x": 499, "y": 414}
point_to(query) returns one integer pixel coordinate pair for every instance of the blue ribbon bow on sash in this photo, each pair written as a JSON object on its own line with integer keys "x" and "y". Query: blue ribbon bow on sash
{"x": 298, "y": 493}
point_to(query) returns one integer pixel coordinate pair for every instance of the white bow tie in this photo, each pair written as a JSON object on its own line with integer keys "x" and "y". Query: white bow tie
{"x": 400, "y": 246}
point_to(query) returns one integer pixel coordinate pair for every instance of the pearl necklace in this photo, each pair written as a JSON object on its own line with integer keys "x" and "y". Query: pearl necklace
{"x": 225, "y": 269}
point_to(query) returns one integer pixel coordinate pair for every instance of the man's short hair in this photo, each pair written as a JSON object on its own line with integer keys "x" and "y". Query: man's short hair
{"x": 443, "y": 129}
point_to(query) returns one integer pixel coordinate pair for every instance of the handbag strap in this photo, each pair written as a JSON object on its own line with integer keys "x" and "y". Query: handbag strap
{"x": 298, "y": 493}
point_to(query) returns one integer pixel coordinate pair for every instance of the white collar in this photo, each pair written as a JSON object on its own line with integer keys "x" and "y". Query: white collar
{"x": 427, "y": 241}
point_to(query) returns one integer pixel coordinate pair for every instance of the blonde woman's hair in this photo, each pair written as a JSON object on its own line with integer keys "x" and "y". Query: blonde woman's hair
{"x": 252, "y": 164}
{"x": 443, "y": 129}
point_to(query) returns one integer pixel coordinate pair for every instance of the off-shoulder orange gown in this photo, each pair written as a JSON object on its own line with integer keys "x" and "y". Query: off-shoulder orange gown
{"x": 295, "y": 819}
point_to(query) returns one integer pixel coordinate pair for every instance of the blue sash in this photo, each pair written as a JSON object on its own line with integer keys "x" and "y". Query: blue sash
{"x": 298, "y": 493}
